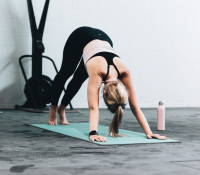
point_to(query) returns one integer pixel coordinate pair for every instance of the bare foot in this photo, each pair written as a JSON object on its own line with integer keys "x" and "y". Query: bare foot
{"x": 52, "y": 115}
{"x": 61, "y": 111}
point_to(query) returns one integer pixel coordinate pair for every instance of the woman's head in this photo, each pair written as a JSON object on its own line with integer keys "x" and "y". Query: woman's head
{"x": 115, "y": 96}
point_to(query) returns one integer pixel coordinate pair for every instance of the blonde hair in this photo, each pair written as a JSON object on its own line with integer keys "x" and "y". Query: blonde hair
{"x": 115, "y": 96}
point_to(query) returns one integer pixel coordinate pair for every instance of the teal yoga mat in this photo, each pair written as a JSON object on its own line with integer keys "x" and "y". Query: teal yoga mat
{"x": 81, "y": 130}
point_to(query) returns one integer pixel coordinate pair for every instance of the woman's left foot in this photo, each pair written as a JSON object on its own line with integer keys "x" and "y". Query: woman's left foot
{"x": 63, "y": 119}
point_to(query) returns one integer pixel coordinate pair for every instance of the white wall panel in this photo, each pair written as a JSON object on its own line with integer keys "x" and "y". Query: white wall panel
{"x": 158, "y": 40}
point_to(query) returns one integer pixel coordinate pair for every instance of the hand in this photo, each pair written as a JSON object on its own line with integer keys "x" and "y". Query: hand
{"x": 98, "y": 138}
{"x": 149, "y": 136}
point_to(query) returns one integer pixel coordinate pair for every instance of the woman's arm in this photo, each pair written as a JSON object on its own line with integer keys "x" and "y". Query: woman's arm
{"x": 94, "y": 85}
{"x": 127, "y": 81}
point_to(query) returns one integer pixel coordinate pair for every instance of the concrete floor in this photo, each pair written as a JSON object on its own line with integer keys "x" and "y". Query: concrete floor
{"x": 29, "y": 150}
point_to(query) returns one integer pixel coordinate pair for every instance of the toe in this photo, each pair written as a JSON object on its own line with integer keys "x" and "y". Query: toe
{"x": 64, "y": 123}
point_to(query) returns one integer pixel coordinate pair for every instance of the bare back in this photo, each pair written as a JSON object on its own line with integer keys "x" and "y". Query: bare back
{"x": 99, "y": 65}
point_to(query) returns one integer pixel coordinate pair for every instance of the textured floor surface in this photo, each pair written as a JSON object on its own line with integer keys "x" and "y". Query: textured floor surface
{"x": 29, "y": 150}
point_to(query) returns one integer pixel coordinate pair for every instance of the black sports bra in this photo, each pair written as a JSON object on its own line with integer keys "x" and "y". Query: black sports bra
{"x": 109, "y": 58}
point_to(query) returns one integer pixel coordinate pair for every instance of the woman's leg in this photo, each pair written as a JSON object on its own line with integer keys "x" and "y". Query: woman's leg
{"x": 73, "y": 87}
{"x": 70, "y": 61}
{"x": 80, "y": 75}
{"x": 71, "y": 57}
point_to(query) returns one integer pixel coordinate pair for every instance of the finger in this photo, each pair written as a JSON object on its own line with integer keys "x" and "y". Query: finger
{"x": 149, "y": 137}
{"x": 101, "y": 139}
{"x": 165, "y": 137}
{"x": 93, "y": 139}
{"x": 97, "y": 140}
{"x": 156, "y": 134}
{"x": 104, "y": 139}
{"x": 162, "y": 138}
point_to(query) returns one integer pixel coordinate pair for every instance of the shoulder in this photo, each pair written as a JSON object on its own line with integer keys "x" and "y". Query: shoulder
{"x": 124, "y": 71}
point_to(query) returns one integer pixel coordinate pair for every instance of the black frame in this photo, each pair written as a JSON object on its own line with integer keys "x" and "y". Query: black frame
{"x": 25, "y": 77}
{"x": 37, "y": 48}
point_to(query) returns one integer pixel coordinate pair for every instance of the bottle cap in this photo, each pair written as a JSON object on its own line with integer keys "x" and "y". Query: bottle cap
{"x": 161, "y": 103}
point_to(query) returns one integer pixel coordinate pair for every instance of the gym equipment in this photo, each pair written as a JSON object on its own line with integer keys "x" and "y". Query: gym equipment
{"x": 80, "y": 131}
{"x": 37, "y": 88}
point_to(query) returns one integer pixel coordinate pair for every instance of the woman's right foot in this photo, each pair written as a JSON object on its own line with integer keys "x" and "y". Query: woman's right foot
{"x": 53, "y": 115}
{"x": 61, "y": 111}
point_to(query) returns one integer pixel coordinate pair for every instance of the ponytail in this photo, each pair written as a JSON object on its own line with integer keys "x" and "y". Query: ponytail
{"x": 115, "y": 97}
{"x": 116, "y": 123}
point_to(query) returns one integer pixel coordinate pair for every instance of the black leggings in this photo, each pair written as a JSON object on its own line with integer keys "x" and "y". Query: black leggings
{"x": 72, "y": 53}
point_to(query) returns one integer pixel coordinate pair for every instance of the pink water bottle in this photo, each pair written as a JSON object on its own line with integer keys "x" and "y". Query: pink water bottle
{"x": 161, "y": 116}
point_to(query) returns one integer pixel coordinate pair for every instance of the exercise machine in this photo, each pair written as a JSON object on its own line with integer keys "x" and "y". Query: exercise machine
{"x": 37, "y": 88}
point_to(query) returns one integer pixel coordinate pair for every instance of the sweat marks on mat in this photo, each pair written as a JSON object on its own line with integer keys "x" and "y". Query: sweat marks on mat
{"x": 188, "y": 163}
{"x": 20, "y": 168}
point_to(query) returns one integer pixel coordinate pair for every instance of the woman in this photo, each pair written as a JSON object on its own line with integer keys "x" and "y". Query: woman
{"x": 100, "y": 62}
